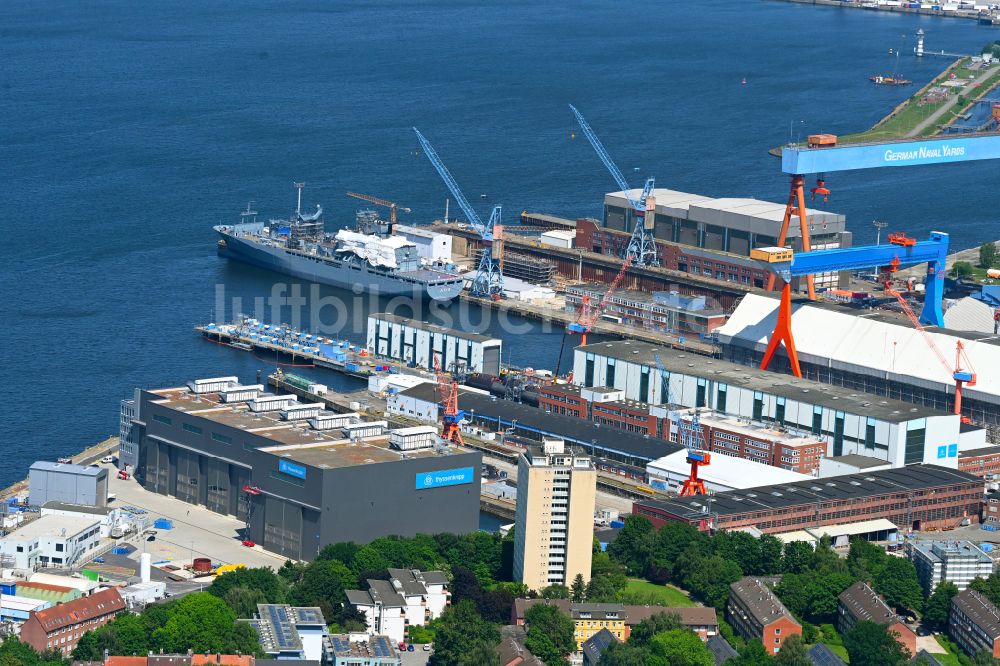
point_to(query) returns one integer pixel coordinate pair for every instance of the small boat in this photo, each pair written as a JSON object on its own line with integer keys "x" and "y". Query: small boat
{"x": 880, "y": 80}
{"x": 241, "y": 345}
{"x": 744, "y": 81}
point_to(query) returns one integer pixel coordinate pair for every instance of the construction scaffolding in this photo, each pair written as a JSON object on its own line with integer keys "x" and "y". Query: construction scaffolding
{"x": 524, "y": 267}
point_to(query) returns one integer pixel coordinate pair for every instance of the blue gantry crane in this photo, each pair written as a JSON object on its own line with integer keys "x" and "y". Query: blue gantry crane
{"x": 900, "y": 251}
{"x": 641, "y": 246}
{"x": 488, "y": 282}
{"x": 822, "y": 155}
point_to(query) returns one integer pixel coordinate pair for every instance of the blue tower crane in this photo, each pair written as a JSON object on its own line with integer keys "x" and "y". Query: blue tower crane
{"x": 488, "y": 282}
{"x": 641, "y": 247}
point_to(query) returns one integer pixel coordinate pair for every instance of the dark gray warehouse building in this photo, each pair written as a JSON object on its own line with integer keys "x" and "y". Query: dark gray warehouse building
{"x": 297, "y": 477}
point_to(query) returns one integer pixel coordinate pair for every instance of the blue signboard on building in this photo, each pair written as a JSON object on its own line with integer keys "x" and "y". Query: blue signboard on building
{"x": 447, "y": 477}
{"x": 910, "y": 153}
{"x": 292, "y": 469}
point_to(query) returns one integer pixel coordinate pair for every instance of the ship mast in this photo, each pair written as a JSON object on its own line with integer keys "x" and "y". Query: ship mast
{"x": 298, "y": 204}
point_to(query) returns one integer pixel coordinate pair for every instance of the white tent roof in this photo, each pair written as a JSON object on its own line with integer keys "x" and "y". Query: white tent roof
{"x": 865, "y": 345}
{"x": 725, "y": 471}
{"x": 970, "y": 314}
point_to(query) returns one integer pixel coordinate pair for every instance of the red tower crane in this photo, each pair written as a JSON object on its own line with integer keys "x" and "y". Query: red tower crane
{"x": 589, "y": 314}
{"x": 694, "y": 440}
{"x": 451, "y": 415}
{"x": 963, "y": 376}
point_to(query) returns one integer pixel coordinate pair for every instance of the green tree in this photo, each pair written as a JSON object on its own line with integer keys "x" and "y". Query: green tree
{"x": 983, "y": 658}
{"x": 655, "y": 624}
{"x": 813, "y": 594}
{"x": 870, "y": 644}
{"x": 866, "y": 560}
{"x": 126, "y": 635}
{"x": 627, "y": 654}
{"x": 793, "y": 653}
{"x": 556, "y": 591}
{"x": 291, "y": 572}
{"x": 244, "y": 600}
{"x": 899, "y": 584}
{"x": 707, "y": 578}
{"x": 987, "y": 255}
{"x": 797, "y": 557}
{"x": 461, "y": 632}
{"x": 988, "y": 587}
{"x": 634, "y": 544}
{"x": 938, "y": 606}
{"x": 421, "y": 634}
{"x": 323, "y": 584}
{"x": 579, "y": 589}
{"x": 550, "y": 634}
{"x": 681, "y": 647}
{"x": 203, "y": 623}
{"x": 756, "y": 556}
{"x": 272, "y": 586}
{"x": 752, "y": 654}
{"x": 604, "y": 589}
{"x": 825, "y": 558}
{"x": 343, "y": 551}
{"x": 962, "y": 269}
{"x": 671, "y": 540}
{"x": 481, "y": 654}
{"x": 367, "y": 561}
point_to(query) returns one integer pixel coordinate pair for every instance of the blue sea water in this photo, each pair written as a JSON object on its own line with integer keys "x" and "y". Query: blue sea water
{"x": 127, "y": 129}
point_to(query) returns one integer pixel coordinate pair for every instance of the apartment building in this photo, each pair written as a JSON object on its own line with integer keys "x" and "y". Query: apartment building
{"x": 590, "y": 619}
{"x": 860, "y": 602}
{"x": 60, "y": 627}
{"x": 409, "y": 598}
{"x": 755, "y": 611}
{"x": 974, "y": 623}
{"x": 557, "y": 490}
{"x": 958, "y": 562}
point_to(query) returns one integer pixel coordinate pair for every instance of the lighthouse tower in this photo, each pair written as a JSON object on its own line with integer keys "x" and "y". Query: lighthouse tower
{"x": 920, "y": 42}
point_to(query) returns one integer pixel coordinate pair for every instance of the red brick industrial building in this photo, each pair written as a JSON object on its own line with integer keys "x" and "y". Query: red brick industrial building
{"x": 913, "y": 497}
{"x": 60, "y": 627}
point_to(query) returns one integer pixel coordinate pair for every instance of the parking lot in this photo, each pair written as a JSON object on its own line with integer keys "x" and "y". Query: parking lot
{"x": 416, "y": 658}
{"x": 196, "y": 532}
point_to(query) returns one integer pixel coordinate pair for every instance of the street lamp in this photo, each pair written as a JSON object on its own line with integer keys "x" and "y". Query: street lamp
{"x": 879, "y": 226}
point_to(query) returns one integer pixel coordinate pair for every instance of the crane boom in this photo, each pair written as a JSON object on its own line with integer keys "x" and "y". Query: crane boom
{"x": 642, "y": 246}
{"x": 488, "y": 282}
{"x": 391, "y": 205}
{"x": 590, "y": 315}
{"x": 616, "y": 173}
{"x": 484, "y": 229}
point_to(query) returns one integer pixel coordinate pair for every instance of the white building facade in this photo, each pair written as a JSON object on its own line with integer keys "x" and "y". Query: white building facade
{"x": 852, "y": 422}
{"x": 50, "y": 541}
{"x": 417, "y": 343}
{"x": 410, "y": 598}
{"x": 958, "y": 562}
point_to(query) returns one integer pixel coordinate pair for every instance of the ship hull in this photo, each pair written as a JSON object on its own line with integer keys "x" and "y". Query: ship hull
{"x": 345, "y": 275}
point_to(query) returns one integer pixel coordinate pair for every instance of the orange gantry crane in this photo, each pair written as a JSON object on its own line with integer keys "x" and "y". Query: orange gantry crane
{"x": 391, "y": 205}
{"x": 451, "y": 415}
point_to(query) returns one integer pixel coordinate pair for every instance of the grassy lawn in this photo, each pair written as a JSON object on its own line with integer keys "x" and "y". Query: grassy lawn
{"x": 668, "y": 594}
{"x": 949, "y": 659}
{"x": 838, "y": 650}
